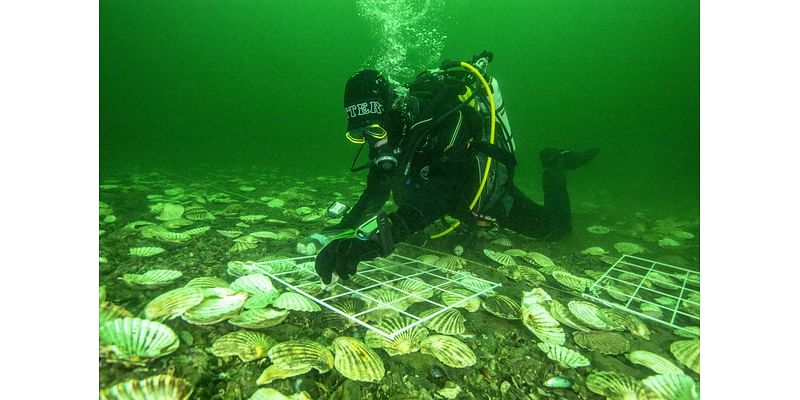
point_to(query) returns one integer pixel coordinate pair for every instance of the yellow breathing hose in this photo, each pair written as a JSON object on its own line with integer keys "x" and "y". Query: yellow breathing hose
{"x": 491, "y": 141}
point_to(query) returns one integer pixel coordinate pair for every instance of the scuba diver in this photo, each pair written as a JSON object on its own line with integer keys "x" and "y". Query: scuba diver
{"x": 440, "y": 145}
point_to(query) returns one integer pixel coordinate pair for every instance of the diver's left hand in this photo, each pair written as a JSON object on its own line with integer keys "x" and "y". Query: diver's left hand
{"x": 342, "y": 256}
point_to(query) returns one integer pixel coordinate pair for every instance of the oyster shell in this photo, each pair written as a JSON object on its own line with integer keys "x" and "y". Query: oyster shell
{"x": 145, "y": 251}
{"x": 404, "y": 343}
{"x": 449, "y": 350}
{"x": 461, "y": 298}
{"x": 672, "y": 386}
{"x": 687, "y": 352}
{"x": 135, "y": 341}
{"x": 158, "y": 387}
{"x": 449, "y": 322}
{"x": 295, "y": 302}
{"x": 260, "y": 318}
{"x": 616, "y": 386}
{"x": 602, "y": 342}
{"x": 500, "y": 258}
{"x": 153, "y": 278}
{"x": 173, "y": 303}
{"x": 215, "y": 309}
{"x": 565, "y": 357}
{"x": 655, "y": 362}
{"x": 503, "y": 307}
{"x": 247, "y": 345}
{"x": 571, "y": 281}
{"x": 538, "y": 320}
{"x": 354, "y": 360}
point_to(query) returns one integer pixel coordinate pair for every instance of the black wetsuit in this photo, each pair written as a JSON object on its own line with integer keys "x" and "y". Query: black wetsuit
{"x": 444, "y": 175}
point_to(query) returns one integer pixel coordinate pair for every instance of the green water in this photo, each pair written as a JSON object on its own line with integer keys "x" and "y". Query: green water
{"x": 260, "y": 83}
{"x": 210, "y": 96}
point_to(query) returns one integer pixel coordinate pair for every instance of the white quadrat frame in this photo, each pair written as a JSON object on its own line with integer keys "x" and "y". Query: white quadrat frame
{"x": 688, "y": 282}
{"x": 395, "y": 268}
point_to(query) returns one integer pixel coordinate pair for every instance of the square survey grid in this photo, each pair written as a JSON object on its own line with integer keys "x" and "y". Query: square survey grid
{"x": 388, "y": 274}
{"x": 650, "y": 289}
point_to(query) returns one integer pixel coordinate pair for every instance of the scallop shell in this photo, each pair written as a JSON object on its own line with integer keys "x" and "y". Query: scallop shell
{"x": 687, "y": 352}
{"x": 451, "y": 262}
{"x": 565, "y": 357}
{"x": 620, "y": 291}
{"x": 145, "y": 251}
{"x": 536, "y": 295}
{"x": 302, "y": 352}
{"x": 503, "y": 241}
{"x": 594, "y": 251}
{"x": 449, "y": 351}
{"x": 354, "y": 360}
{"x": 628, "y": 248}
{"x": 153, "y": 278}
{"x": 215, "y": 309}
{"x": 252, "y": 218}
{"x": 247, "y": 345}
{"x": 384, "y": 302}
{"x": 229, "y": 234}
{"x": 272, "y": 394}
{"x": 590, "y": 315}
{"x": 598, "y": 229}
{"x": 531, "y": 275}
{"x": 199, "y": 214}
{"x": 205, "y": 282}
{"x": 663, "y": 280}
{"x": 404, "y": 343}
{"x": 655, "y": 362}
{"x": 259, "y": 318}
{"x": 265, "y": 235}
{"x": 630, "y": 322}
{"x": 515, "y": 252}
{"x": 602, "y": 342}
{"x": 503, "y": 307}
{"x": 260, "y": 288}
{"x": 449, "y": 322}
{"x": 110, "y": 311}
{"x": 197, "y": 231}
{"x": 417, "y": 289}
{"x": 562, "y": 315}
{"x": 281, "y": 371}
{"x": 428, "y": 258}
{"x": 296, "y": 357}
{"x": 538, "y": 320}
{"x": 539, "y": 259}
{"x": 135, "y": 341}
{"x": 688, "y": 331}
{"x": 278, "y": 267}
{"x": 348, "y": 306}
{"x": 174, "y": 303}
{"x": 500, "y": 258}
{"x": 474, "y": 283}
{"x": 295, "y": 302}
{"x": 158, "y": 387}
{"x": 243, "y": 243}
{"x": 571, "y": 281}
{"x": 672, "y": 386}
{"x": 651, "y": 310}
{"x": 461, "y": 298}
{"x": 170, "y": 211}
{"x": 617, "y": 386}
{"x": 172, "y": 237}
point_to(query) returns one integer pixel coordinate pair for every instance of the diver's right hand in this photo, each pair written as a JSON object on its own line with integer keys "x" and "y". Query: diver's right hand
{"x": 342, "y": 257}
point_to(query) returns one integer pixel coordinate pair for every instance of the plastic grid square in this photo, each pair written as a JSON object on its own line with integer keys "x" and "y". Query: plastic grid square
{"x": 638, "y": 287}
{"x": 386, "y": 273}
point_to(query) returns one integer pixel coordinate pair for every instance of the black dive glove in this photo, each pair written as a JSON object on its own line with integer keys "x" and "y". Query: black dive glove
{"x": 342, "y": 256}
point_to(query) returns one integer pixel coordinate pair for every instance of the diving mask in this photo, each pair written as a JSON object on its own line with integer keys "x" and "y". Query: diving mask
{"x": 373, "y": 131}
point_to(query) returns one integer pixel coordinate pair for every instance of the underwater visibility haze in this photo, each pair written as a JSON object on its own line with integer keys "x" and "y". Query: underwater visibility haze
{"x": 222, "y": 144}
